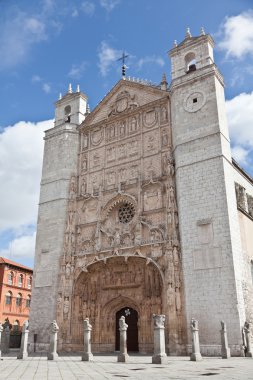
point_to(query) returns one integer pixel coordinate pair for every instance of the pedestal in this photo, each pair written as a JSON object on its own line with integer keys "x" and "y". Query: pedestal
{"x": 87, "y": 354}
{"x": 23, "y": 353}
{"x": 160, "y": 356}
{"x": 123, "y": 356}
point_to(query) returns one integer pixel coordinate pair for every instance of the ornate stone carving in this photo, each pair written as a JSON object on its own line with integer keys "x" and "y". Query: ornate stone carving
{"x": 97, "y": 136}
{"x": 150, "y": 118}
{"x": 124, "y": 101}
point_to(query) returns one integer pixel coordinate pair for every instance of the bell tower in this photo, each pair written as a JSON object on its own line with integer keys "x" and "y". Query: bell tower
{"x": 209, "y": 228}
{"x": 58, "y": 174}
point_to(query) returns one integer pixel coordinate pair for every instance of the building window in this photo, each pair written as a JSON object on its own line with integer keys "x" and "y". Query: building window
{"x": 19, "y": 299}
{"x": 8, "y": 298}
{"x": 190, "y": 62}
{"x": 29, "y": 282}
{"x": 28, "y": 301}
{"x": 20, "y": 281}
{"x": 10, "y": 278}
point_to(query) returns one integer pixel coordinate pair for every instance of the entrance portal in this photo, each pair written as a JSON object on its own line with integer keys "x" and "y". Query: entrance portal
{"x": 131, "y": 318}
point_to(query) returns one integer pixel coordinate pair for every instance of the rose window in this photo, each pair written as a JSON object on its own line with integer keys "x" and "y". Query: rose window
{"x": 126, "y": 213}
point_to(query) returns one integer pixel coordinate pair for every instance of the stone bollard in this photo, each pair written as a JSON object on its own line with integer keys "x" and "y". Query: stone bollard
{"x": 159, "y": 356}
{"x": 23, "y": 353}
{"x": 248, "y": 340}
{"x": 1, "y": 330}
{"x": 6, "y": 340}
{"x": 123, "y": 356}
{"x": 52, "y": 354}
{"x": 87, "y": 354}
{"x": 225, "y": 350}
{"x": 195, "y": 355}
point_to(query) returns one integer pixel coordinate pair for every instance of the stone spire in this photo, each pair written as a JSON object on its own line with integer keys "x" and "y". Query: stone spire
{"x": 78, "y": 88}
{"x": 202, "y": 31}
{"x": 175, "y": 43}
{"x": 70, "y": 89}
{"x": 87, "y": 109}
{"x": 60, "y": 96}
{"x": 164, "y": 82}
{"x": 188, "y": 33}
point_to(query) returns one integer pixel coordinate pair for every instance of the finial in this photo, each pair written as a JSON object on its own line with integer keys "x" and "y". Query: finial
{"x": 188, "y": 33}
{"x": 70, "y": 89}
{"x": 60, "y": 96}
{"x": 164, "y": 82}
{"x": 175, "y": 43}
{"x": 202, "y": 31}
{"x": 78, "y": 88}
{"x": 87, "y": 109}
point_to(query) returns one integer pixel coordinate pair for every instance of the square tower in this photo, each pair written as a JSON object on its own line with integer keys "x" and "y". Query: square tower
{"x": 209, "y": 229}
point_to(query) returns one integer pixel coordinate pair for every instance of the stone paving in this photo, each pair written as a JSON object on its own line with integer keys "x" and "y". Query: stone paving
{"x": 139, "y": 367}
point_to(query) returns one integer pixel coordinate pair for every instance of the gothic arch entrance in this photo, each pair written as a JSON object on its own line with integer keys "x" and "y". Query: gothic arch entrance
{"x": 131, "y": 318}
{"x": 109, "y": 287}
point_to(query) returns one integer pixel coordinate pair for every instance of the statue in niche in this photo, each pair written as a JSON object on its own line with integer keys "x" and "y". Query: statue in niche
{"x": 72, "y": 188}
{"x": 84, "y": 163}
{"x": 85, "y": 141}
{"x": 175, "y": 255}
{"x": 165, "y": 139}
{"x": 83, "y": 187}
{"x": 164, "y": 114}
{"x": 137, "y": 235}
{"x": 178, "y": 300}
{"x": 68, "y": 270}
{"x": 65, "y": 307}
{"x": 122, "y": 128}
{"x": 133, "y": 124}
{"x": 171, "y": 296}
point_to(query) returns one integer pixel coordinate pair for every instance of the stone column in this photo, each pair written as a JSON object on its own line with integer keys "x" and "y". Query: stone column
{"x": 225, "y": 350}
{"x": 6, "y": 340}
{"x": 195, "y": 355}
{"x": 87, "y": 354}
{"x": 23, "y": 353}
{"x": 248, "y": 339}
{"x": 159, "y": 356}
{"x": 52, "y": 354}
{"x": 123, "y": 356}
{"x": 1, "y": 330}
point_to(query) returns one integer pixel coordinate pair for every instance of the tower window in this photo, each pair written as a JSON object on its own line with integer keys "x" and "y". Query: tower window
{"x": 194, "y": 100}
{"x": 67, "y": 112}
{"x": 190, "y": 63}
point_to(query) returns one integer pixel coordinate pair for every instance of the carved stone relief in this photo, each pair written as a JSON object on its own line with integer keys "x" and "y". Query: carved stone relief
{"x": 97, "y": 136}
{"x": 150, "y": 118}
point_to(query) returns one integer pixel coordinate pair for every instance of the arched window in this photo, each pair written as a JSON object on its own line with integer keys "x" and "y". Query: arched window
{"x": 10, "y": 278}
{"x": 29, "y": 282}
{"x": 20, "y": 281}
{"x": 190, "y": 62}
{"x": 19, "y": 299}
{"x": 28, "y": 301}
{"x": 8, "y": 297}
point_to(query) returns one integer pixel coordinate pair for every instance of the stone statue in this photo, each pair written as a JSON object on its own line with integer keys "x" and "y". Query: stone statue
{"x": 23, "y": 352}
{"x": 87, "y": 355}
{"x": 159, "y": 356}
{"x": 195, "y": 355}
{"x": 247, "y": 333}
{"x": 225, "y": 350}
{"x": 123, "y": 356}
{"x": 52, "y": 354}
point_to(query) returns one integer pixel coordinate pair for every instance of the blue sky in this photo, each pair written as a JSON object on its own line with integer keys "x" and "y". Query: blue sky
{"x": 47, "y": 44}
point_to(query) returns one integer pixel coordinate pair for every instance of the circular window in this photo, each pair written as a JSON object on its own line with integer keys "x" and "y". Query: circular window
{"x": 126, "y": 213}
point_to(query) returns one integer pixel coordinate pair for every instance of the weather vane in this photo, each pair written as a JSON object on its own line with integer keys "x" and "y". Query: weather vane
{"x": 123, "y": 58}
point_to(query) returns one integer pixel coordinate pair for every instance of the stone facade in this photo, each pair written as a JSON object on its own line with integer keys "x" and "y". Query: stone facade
{"x": 137, "y": 212}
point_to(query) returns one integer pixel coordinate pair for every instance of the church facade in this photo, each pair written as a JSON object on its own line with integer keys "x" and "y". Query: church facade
{"x": 143, "y": 211}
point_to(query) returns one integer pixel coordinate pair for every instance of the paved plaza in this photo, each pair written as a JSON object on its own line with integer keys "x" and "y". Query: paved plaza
{"x": 139, "y": 367}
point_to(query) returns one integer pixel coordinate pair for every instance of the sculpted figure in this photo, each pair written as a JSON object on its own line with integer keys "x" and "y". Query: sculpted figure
{"x": 54, "y": 327}
{"x": 194, "y": 324}
{"x": 159, "y": 320}
{"x": 122, "y": 323}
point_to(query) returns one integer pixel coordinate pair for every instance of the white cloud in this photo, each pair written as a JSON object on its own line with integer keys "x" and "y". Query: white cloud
{"x": 107, "y": 56}
{"x": 240, "y": 122}
{"x": 150, "y": 60}
{"x": 88, "y": 8}
{"x": 18, "y": 36}
{"x": 74, "y": 13}
{"x": 46, "y": 88}
{"x": 36, "y": 79}
{"x": 20, "y": 248}
{"x": 109, "y": 5}
{"x": 21, "y": 151}
{"x": 237, "y": 35}
{"x": 77, "y": 70}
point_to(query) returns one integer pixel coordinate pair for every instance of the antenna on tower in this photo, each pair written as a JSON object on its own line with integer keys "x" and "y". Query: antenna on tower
{"x": 124, "y": 67}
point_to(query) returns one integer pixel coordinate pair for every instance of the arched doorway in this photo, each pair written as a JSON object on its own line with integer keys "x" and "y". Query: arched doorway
{"x": 131, "y": 318}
